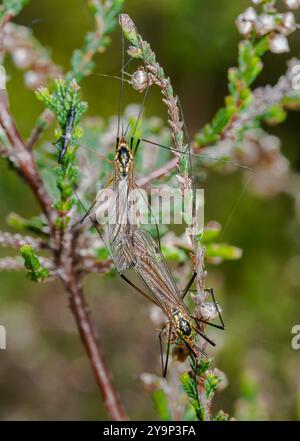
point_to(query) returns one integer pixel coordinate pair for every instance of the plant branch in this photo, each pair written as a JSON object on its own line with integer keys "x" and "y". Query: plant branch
{"x": 17, "y": 240}
{"x": 43, "y": 122}
{"x": 105, "y": 13}
{"x": 81, "y": 314}
{"x": 26, "y": 164}
{"x": 155, "y": 75}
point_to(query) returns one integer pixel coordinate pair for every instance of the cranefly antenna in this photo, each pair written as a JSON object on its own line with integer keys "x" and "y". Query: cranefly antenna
{"x": 191, "y": 175}
{"x": 122, "y": 85}
{"x": 200, "y": 155}
{"x": 147, "y": 87}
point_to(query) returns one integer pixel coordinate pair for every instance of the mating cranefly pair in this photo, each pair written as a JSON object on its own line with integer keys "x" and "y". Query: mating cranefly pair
{"x": 132, "y": 247}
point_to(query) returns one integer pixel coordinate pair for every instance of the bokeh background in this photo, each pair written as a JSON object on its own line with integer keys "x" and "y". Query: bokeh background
{"x": 44, "y": 373}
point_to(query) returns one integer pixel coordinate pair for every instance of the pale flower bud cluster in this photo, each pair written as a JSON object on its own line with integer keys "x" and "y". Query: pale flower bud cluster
{"x": 292, "y": 4}
{"x": 279, "y": 26}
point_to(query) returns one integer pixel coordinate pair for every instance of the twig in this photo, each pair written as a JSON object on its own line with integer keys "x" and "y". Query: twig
{"x": 104, "y": 13}
{"x": 81, "y": 313}
{"x": 10, "y": 263}
{"x": 42, "y": 124}
{"x": 155, "y": 75}
{"x": 65, "y": 260}
{"x": 17, "y": 240}
{"x": 158, "y": 173}
{"x": 25, "y": 159}
{"x": 28, "y": 54}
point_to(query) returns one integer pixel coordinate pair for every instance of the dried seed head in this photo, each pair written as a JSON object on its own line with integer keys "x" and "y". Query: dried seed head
{"x": 265, "y": 24}
{"x": 139, "y": 80}
{"x": 209, "y": 310}
{"x": 245, "y": 21}
{"x": 288, "y": 23}
{"x": 22, "y": 57}
{"x": 33, "y": 79}
{"x": 292, "y": 4}
{"x": 279, "y": 44}
{"x": 249, "y": 14}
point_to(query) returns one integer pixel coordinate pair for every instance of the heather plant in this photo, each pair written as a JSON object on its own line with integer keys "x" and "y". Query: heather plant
{"x": 54, "y": 245}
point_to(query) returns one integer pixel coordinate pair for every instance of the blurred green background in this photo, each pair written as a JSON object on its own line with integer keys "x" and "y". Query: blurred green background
{"x": 44, "y": 373}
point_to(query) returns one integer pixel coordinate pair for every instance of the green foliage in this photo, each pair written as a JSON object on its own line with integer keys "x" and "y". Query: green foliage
{"x": 274, "y": 115}
{"x": 191, "y": 389}
{"x": 239, "y": 81}
{"x": 202, "y": 366}
{"x": 36, "y": 224}
{"x": 65, "y": 95}
{"x": 223, "y": 251}
{"x": 217, "y": 252}
{"x": 211, "y": 232}
{"x": 36, "y": 271}
{"x": 173, "y": 253}
{"x": 105, "y": 13}
{"x": 12, "y": 6}
{"x": 161, "y": 405}
{"x": 211, "y": 383}
{"x": 65, "y": 180}
{"x": 200, "y": 378}
{"x": 221, "y": 416}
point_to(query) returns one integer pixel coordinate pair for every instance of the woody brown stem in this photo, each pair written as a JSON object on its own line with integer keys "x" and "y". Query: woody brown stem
{"x": 64, "y": 257}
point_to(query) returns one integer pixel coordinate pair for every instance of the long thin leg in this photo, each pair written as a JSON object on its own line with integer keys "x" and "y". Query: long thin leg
{"x": 222, "y": 326}
{"x": 168, "y": 352}
{"x": 158, "y": 237}
{"x": 136, "y": 147}
{"x": 164, "y": 366}
{"x": 156, "y": 226}
{"x": 187, "y": 288}
{"x": 161, "y": 353}
{"x": 135, "y": 287}
{"x": 208, "y": 323}
{"x": 204, "y": 336}
{"x": 88, "y": 212}
{"x": 199, "y": 155}
{"x": 190, "y": 348}
{"x": 201, "y": 350}
{"x": 216, "y": 306}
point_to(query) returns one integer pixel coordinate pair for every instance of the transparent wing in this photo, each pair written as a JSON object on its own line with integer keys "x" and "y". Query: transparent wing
{"x": 120, "y": 249}
{"x": 121, "y": 223}
{"x": 151, "y": 267}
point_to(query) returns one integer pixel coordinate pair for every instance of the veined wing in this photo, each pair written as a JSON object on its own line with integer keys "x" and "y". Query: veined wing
{"x": 120, "y": 247}
{"x": 151, "y": 267}
{"x": 121, "y": 223}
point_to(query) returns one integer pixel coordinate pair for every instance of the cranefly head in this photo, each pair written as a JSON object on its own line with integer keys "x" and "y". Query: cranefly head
{"x": 123, "y": 157}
